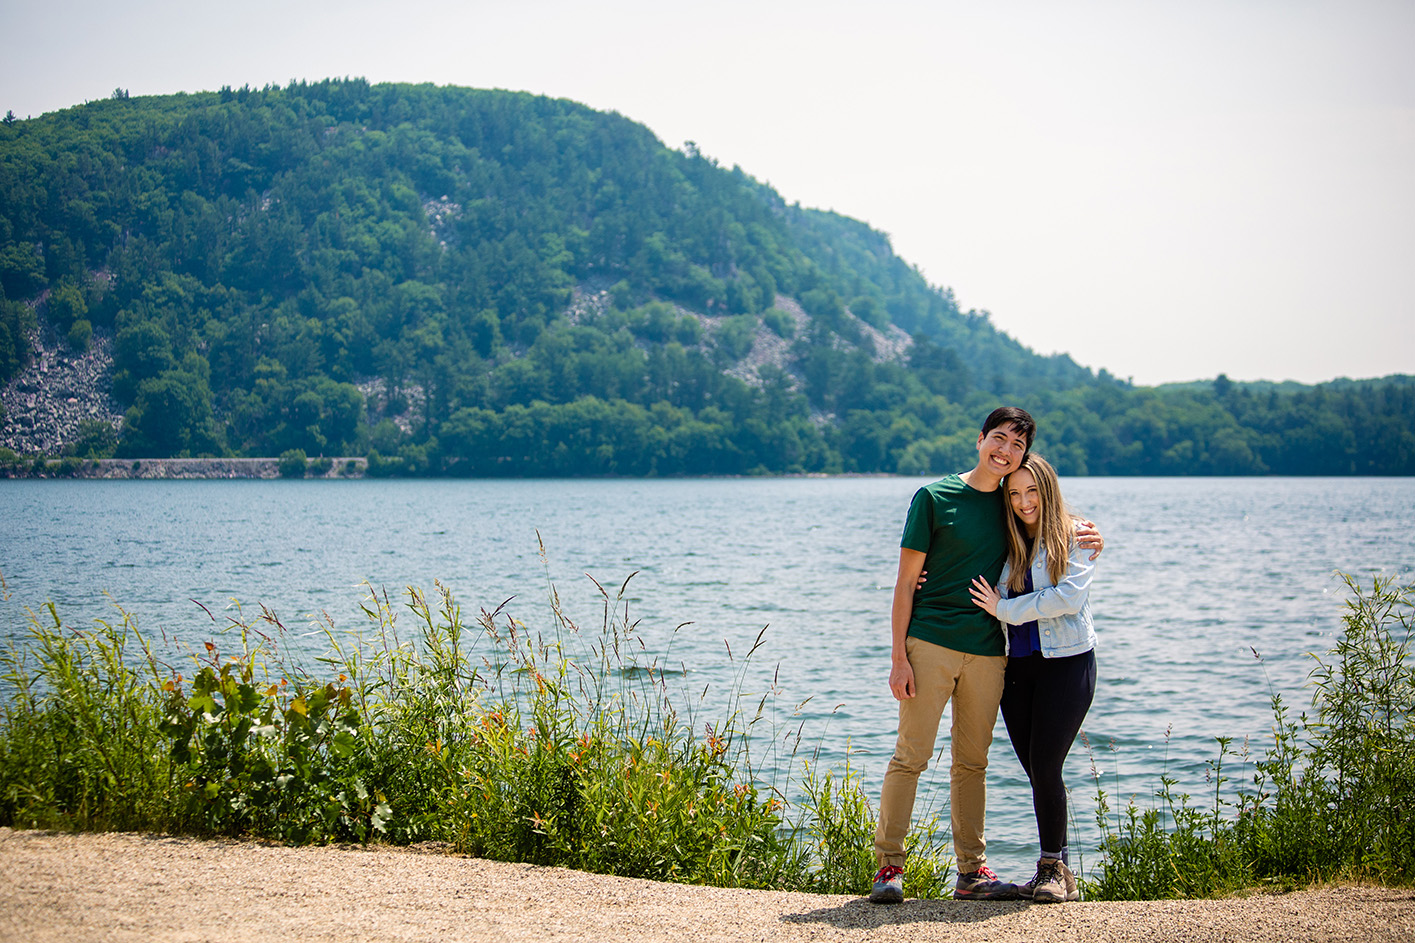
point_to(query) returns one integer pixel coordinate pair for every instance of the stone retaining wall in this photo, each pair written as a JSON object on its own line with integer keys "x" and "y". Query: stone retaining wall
{"x": 178, "y": 468}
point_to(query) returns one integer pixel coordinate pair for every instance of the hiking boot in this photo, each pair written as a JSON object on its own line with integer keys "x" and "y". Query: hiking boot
{"x": 1052, "y": 884}
{"x": 889, "y": 886}
{"x": 982, "y": 884}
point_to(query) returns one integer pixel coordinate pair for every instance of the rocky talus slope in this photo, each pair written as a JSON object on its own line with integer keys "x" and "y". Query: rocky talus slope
{"x": 44, "y": 404}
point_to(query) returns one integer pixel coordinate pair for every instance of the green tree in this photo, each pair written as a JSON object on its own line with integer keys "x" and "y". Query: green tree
{"x": 80, "y": 334}
{"x": 141, "y": 351}
{"x": 67, "y": 305}
{"x": 21, "y": 270}
{"x": 171, "y": 417}
{"x": 16, "y": 322}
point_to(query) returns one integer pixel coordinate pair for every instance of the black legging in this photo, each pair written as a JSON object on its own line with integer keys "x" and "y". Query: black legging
{"x": 1044, "y": 701}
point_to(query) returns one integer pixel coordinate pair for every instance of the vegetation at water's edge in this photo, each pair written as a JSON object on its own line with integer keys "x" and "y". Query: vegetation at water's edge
{"x": 468, "y": 282}
{"x": 1333, "y": 796}
{"x": 569, "y": 748}
{"x": 560, "y": 748}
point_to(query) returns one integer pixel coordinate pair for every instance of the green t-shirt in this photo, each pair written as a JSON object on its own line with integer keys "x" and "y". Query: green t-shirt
{"x": 962, "y": 532}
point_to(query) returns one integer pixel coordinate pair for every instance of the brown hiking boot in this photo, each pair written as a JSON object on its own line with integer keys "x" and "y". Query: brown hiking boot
{"x": 1052, "y": 884}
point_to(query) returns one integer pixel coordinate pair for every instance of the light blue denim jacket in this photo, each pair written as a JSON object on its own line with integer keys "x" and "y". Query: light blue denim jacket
{"x": 1062, "y": 611}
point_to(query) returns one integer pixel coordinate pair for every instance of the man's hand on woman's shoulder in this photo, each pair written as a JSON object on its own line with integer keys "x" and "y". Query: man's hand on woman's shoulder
{"x": 1088, "y": 537}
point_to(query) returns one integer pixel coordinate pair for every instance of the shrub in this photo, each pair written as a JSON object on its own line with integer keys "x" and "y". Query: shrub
{"x": 780, "y": 322}
{"x": 293, "y": 463}
{"x": 377, "y": 466}
{"x": 735, "y": 336}
{"x": 1330, "y": 798}
{"x": 81, "y": 334}
{"x": 96, "y": 439}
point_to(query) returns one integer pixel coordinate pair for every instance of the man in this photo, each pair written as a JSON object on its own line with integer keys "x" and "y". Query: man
{"x": 945, "y": 646}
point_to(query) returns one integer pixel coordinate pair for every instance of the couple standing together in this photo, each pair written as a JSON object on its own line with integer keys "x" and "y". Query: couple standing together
{"x": 990, "y": 608}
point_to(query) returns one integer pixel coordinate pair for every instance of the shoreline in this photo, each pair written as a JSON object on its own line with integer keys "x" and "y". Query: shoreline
{"x": 348, "y": 467}
{"x": 187, "y": 469}
{"x": 126, "y": 886}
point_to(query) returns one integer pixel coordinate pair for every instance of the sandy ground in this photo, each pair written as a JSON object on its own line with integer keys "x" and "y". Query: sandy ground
{"x": 60, "y": 887}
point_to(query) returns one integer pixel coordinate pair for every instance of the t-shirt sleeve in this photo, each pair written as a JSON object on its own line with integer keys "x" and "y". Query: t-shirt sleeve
{"x": 919, "y": 525}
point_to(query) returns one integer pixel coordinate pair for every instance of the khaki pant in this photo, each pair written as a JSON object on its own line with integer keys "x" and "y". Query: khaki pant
{"x": 974, "y": 682}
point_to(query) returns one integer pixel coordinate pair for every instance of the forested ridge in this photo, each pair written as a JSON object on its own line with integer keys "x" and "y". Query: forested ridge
{"x": 473, "y": 282}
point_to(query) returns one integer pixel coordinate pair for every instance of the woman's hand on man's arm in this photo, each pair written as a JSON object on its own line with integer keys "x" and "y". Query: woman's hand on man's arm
{"x": 984, "y": 596}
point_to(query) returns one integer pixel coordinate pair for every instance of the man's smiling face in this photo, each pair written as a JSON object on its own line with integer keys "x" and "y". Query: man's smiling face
{"x": 1001, "y": 450}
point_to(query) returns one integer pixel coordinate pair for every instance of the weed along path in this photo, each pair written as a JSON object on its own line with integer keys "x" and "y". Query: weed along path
{"x": 118, "y": 887}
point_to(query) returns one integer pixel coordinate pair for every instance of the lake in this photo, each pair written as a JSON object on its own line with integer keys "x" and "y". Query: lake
{"x": 1198, "y": 575}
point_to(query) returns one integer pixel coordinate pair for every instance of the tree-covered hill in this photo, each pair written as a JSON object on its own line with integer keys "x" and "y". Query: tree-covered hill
{"x": 483, "y": 282}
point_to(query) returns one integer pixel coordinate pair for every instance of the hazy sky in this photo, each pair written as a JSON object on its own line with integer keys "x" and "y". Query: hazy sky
{"x": 1168, "y": 190}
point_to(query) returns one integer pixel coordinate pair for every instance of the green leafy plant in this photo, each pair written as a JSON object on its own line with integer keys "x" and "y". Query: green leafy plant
{"x": 293, "y": 463}
{"x": 556, "y": 746}
{"x": 1329, "y": 798}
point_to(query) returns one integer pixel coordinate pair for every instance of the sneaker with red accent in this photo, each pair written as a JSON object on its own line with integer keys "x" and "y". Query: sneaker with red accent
{"x": 889, "y": 885}
{"x": 982, "y": 884}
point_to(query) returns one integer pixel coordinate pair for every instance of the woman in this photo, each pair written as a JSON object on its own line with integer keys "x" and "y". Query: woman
{"x": 1041, "y": 600}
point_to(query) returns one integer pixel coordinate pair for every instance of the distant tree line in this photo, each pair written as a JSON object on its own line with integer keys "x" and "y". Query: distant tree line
{"x": 403, "y": 272}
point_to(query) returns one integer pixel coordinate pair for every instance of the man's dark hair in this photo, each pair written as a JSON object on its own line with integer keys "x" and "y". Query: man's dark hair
{"x": 1021, "y": 421}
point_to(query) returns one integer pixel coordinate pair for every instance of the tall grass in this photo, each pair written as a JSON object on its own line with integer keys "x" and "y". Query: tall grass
{"x": 1333, "y": 796}
{"x": 550, "y": 745}
{"x": 558, "y": 745}
{"x": 81, "y": 729}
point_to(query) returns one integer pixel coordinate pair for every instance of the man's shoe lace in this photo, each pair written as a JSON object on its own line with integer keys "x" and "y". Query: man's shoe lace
{"x": 888, "y": 873}
{"x": 983, "y": 884}
{"x": 982, "y": 876}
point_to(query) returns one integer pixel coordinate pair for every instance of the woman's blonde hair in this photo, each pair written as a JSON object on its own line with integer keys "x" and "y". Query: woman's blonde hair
{"x": 1055, "y": 529}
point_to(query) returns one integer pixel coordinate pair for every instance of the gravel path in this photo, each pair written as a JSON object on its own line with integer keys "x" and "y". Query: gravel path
{"x": 74, "y": 888}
